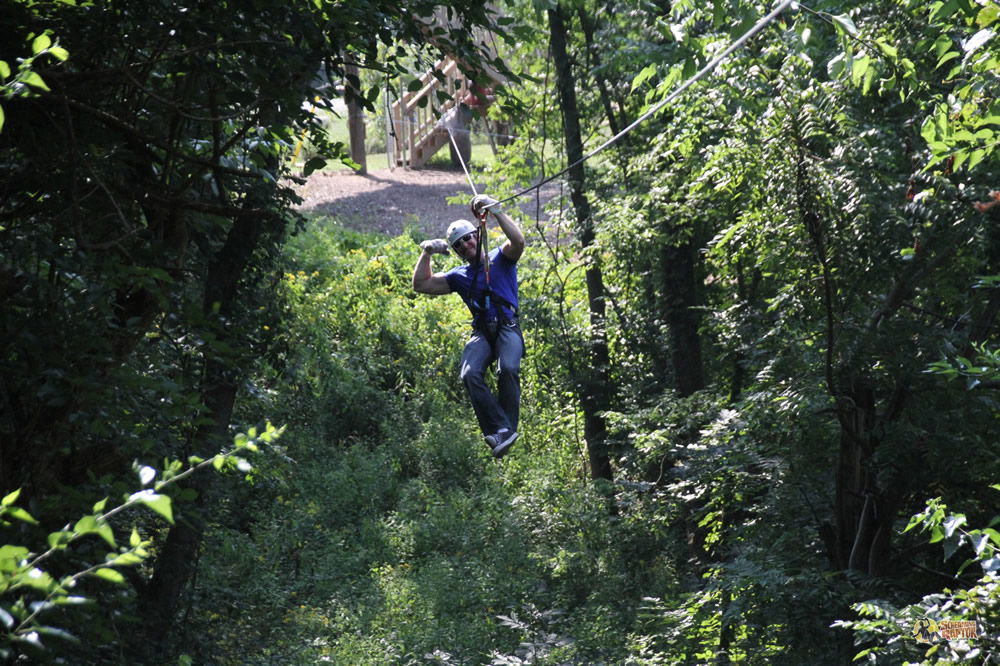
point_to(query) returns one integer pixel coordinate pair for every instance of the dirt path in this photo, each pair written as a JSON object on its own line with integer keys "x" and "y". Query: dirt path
{"x": 388, "y": 200}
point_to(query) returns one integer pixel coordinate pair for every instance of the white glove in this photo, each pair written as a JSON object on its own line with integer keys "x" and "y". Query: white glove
{"x": 435, "y": 246}
{"x": 482, "y": 201}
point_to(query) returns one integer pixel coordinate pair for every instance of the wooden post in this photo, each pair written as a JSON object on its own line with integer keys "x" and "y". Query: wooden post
{"x": 355, "y": 114}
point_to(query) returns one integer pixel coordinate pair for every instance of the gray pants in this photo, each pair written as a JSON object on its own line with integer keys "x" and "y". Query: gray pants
{"x": 494, "y": 412}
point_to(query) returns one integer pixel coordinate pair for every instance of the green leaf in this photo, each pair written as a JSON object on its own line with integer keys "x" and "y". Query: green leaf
{"x": 943, "y": 10}
{"x": 979, "y": 542}
{"x": 36, "y": 579}
{"x": 869, "y": 79}
{"x": 10, "y": 498}
{"x": 4, "y": 70}
{"x": 125, "y": 559}
{"x": 835, "y": 68}
{"x": 99, "y": 506}
{"x": 950, "y": 55}
{"x": 859, "y": 68}
{"x": 12, "y": 556}
{"x": 134, "y": 539}
{"x": 975, "y": 157}
{"x": 951, "y": 544}
{"x": 58, "y": 633}
{"x": 109, "y": 575}
{"x": 953, "y": 523}
{"x": 845, "y": 23}
{"x": 40, "y": 43}
{"x": 105, "y": 532}
{"x": 20, "y": 514}
{"x": 312, "y": 165}
{"x": 886, "y": 48}
{"x": 58, "y": 540}
{"x": 59, "y": 53}
{"x": 158, "y": 503}
{"x": 85, "y": 525}
{"x": 33, "y": 79}
{"x": 647, "y": 72}
{"x": 72, "y": 601}
{"x": 988, "y": 15}
{"x": 937, "y": 534}
{"x": 960, "y": 157}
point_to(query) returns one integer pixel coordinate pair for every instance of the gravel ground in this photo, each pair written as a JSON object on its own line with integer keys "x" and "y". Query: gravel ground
{"x": 389, "y": 199}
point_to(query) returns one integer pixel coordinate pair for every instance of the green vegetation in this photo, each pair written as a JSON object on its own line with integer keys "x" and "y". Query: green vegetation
{"x": 759, "y": 402}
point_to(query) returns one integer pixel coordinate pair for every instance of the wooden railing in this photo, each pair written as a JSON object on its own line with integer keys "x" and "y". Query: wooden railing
{"x": 415, "y": 115}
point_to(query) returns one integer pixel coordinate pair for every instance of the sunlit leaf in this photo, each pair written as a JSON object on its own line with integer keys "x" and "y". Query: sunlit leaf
{"x": 988, "y": 15}
{"x": 845, "y": 23}
{"x": 34, "y": 80}
{"x": 40, "y": 43}
{"x": 20, "y": 514}
{"x": 109, "y": 575}
{"x": 644, "y": 75}
{"x": 57, "y": 633}
{"x": 158, "y": 503}
{"x": 60, "y": 539}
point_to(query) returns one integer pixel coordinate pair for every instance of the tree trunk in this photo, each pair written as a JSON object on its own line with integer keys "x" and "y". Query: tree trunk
{"x": 595, "y": 387}
{"x": 355, "y": 114}
{"x": 680, "y": 299}
{"x": 175, "y": 563}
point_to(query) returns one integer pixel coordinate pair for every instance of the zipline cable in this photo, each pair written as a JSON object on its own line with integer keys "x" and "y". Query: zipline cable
{"x": 760, "y": 25}
{"x": 462, "y": 161}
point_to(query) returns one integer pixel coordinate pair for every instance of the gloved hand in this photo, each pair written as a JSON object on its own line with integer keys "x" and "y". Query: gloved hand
{"x": 481, "y": 201}
{"x": 435, "y": 246}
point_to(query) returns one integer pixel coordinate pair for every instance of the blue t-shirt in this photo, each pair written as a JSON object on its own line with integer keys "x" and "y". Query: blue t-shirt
{"x": 469, "y": 282}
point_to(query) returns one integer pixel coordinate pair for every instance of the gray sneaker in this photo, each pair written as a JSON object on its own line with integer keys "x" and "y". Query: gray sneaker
{"x": 503, "y": 441}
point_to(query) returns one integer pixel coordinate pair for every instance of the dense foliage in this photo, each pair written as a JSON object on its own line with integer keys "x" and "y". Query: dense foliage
{"x": 769, "y": 312}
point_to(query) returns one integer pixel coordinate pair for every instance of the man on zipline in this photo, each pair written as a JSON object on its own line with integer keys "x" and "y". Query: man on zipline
{"x": 489, "y": 289}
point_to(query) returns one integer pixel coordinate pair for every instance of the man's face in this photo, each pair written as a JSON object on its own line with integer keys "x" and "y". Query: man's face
{"x": 467, "y": 245}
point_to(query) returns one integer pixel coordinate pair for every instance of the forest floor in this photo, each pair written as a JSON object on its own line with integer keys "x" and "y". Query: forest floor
{"x": 389, "y": 200}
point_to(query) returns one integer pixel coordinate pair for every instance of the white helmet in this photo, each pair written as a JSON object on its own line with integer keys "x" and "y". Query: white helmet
{"x": 457, "y": 229}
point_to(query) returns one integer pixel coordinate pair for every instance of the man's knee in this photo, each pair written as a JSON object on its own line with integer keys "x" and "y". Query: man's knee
{"x": 471, "y": 373}
{"x": 510, "y": 369}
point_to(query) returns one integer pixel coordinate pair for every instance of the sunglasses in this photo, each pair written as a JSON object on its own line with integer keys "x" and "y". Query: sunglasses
{"x": 463, "y": 239}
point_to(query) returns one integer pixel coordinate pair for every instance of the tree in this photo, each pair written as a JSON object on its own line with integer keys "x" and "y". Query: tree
{"x": 144, "y": 201}
{"x": 595, "y": 387}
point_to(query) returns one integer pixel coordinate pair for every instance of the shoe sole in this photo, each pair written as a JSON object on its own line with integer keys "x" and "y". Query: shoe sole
{"x": 503, "y": 447}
